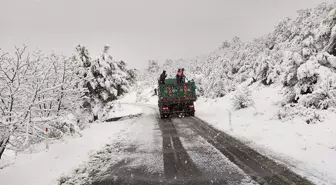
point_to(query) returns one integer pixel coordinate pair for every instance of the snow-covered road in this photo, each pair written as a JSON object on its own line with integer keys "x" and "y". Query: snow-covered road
{"x": 178, "y": 151}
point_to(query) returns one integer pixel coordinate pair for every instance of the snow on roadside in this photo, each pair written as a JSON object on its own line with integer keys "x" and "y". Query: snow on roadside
{"x": 152, "y": 100}
{"x": 63, "y": 155}
{"x": 143, "y": 137}
{"x": 308, "y": 148}
{"x": 129, "y": 98}
{"x": 121, "y": 110}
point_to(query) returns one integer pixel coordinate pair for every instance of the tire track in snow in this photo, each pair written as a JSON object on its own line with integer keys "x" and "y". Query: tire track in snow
{"x": 177, "y": 163}
{"x": 169, "y": 162}
{"x": 259, "y": 167}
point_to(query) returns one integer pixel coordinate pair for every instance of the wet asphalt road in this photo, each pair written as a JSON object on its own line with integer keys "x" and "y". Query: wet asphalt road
{"x": 186, "y": 151}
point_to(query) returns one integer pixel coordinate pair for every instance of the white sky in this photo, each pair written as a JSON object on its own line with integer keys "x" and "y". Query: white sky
{"x": 139, "y": 30}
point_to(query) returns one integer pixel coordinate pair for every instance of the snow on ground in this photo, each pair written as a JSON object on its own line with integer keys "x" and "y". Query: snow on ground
{"x": 153, "y": 100}
{"x": 308, "y": 148}
{"x": 129, "y": 98}
{"x": 42, "y": 167}
{"x": 143, "y": 138}
{"x": 121, "y": 110}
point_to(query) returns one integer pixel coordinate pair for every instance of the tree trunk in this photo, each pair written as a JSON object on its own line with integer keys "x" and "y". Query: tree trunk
{"x": 62, "y": 89}
{"x": 3, "y": 144}
{"x": 119, "y": 90}
{"x": 95, "y": 117}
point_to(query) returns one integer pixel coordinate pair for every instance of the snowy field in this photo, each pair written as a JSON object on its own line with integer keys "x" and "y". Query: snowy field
{"x": 40, "y": 166}
{"x": 308, "y": 149}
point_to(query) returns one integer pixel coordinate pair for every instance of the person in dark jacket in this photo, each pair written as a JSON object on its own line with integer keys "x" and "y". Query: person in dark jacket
{"x": 163, "y": 77}
{"x": 182, "y": 76}
{"x": 178, "y": 76}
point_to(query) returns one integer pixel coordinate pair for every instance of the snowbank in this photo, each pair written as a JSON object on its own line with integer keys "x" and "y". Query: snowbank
{"x": 43, "y": 166}
{"x": 142, "y": 137}
{"x": 153, "y": 100}
{"x": 129, "y": 98}
{"x": 122, "y": 110}
{"x": 308, "y": 148}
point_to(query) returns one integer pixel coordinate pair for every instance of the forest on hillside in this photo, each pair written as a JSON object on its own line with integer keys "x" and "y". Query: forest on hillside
{"x": 66, "y": 93}
{"x": 298, "y": 55}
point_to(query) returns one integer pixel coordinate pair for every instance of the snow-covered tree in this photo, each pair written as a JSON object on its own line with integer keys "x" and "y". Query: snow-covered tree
{"x": 38, "y": 89}
{"x": 35, "y": 89}
{"x": 105, "y": 78}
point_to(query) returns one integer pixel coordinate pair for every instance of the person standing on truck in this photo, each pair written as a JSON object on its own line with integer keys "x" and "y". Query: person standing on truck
{"x": 163, "y": 77}
{"x": 178, "y": 76}
{"x": 182, "y": 76}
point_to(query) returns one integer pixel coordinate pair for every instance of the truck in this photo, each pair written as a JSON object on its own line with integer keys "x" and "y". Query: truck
{"x": 176, "y": 98}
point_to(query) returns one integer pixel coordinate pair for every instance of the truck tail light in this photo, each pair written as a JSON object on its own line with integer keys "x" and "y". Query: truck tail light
{"x": 165, "y": 108}
{"x": 191, "y": 106}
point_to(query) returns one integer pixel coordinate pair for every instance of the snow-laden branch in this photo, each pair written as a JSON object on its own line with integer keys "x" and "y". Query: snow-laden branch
{"x": 50, "y": 89}
{"x": 44, "y": 119}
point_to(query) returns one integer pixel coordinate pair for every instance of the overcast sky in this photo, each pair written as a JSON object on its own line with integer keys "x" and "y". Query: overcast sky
{"x": 139, "y": 30}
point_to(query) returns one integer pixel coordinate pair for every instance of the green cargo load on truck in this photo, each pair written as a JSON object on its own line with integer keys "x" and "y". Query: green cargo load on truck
{"x": 176, "y": 98}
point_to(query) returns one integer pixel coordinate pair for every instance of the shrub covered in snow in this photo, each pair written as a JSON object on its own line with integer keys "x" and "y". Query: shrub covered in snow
{"x": 291, "y": 111}
{"x": 242, "y": 98}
